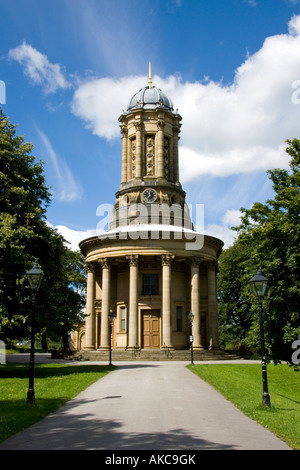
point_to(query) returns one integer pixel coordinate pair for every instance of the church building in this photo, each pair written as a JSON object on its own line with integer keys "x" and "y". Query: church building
{"x": 151, "y": 269}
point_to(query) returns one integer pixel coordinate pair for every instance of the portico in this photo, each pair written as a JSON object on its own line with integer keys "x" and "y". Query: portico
{"x": 146, "y": 283}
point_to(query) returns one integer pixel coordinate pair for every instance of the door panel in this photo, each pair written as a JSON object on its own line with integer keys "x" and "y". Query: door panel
{"x": 151, "y": 329}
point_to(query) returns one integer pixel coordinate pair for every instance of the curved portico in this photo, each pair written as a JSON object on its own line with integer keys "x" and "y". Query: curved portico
{"x": 136, "y": 277}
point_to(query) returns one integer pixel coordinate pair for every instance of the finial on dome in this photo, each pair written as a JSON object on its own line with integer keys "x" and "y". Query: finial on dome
{"x": 150, "y": 78}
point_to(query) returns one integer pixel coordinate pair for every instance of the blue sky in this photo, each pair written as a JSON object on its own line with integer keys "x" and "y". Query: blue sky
{"x": 232, "y": 68}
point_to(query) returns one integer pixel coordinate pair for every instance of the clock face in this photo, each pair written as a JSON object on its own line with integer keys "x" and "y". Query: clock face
{"x": 149, "y": 195}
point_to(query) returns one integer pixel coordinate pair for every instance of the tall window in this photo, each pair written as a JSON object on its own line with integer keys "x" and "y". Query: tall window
{"x": 150, "y": 284}
{"x": 123, "y": 319}
{"x": 179, "y": 318}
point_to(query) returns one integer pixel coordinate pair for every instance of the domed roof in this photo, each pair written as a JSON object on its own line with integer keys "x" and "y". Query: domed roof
{"x": 150, "y": 97}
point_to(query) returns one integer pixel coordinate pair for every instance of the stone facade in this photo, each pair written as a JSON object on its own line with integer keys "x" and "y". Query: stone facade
{"x": 151, "y": 268}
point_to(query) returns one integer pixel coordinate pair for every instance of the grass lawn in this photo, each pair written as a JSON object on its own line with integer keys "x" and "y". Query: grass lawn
{"x": 54, "y": 384}
{"x": 242, "y": 385}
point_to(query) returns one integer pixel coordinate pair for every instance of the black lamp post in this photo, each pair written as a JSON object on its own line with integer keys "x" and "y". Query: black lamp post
{"x": 111, "y": 316}
{"x": 259, "y": 285}
{"x": 35, "y": 277}
{"x": 191, "y": 318}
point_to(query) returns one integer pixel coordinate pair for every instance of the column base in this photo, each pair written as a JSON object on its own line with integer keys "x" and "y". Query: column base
{"x": 104, "y": 348}
{"x": 167, "y": 348}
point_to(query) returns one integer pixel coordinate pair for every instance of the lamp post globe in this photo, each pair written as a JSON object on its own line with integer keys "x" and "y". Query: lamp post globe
{"x": 258, "y": 284}
{"x": 35, "y": 277}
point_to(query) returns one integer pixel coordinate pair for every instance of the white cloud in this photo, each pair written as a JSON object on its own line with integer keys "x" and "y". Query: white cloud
{"x": 38, "y": 68}
{"x": 222, "y": 232}
{"x": 74, "y": 237}
{"x": 67, "y": 188}
{"x": 227, "y": 129}
{"x": 99, "y": 103}
{"x": 232, "y": 217}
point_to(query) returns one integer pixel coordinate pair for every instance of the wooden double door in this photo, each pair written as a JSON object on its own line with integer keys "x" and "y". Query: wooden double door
{"x": 151, "y": 329}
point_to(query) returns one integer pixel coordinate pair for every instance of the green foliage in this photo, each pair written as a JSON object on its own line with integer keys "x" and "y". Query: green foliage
{"x": 24, "y": 237}
{"x": 269, "y": 236}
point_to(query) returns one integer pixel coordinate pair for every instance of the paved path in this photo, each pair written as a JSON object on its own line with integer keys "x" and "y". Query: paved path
{"x": 147, "y": 406}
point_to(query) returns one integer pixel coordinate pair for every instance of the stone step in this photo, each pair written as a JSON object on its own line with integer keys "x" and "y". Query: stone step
{"x": 153, "y": 355}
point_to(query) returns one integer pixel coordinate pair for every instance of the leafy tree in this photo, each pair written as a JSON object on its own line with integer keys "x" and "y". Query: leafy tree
{"x": 271, "y": 233}
{"x": 25, "y": 236}
{"x": 23, "y": 201}
{"x": 235, "y": 313}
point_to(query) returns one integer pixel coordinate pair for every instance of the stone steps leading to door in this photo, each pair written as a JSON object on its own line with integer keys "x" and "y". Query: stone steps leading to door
{"x": 153, "y": 355}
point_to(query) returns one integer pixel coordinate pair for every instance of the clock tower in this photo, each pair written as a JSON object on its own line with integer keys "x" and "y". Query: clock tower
{"x": 151, "y": 278}
{"x": 150, "y": 172}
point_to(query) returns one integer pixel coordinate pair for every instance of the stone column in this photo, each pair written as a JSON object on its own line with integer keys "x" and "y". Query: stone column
{"x": 166, "y": 301}
{"x": 138, "y": 127}
{"x": 176, "y": 130}
{"x": 90, "y": 308}
{"x": 124, "y": 153}
{"x": 213, "y": 324}
{"x": 195, "y": 302}
{"x": 105, "y": 328}
{"x": 133, "y": 302}
{"x": 171, "y": 160}
{"x": 160, "y": 148}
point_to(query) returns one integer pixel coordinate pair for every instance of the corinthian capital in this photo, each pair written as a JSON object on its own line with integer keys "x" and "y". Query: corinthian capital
{"x": 166, "y": 260}
{"x": 89, "y": 268}
{"x": 212, "y": 265}
{"x": 138, "y": 125}
{"x": 160, "y": 124}
{"x": 123, "y": 130}
{"x": 105, "y": 262}
{"x": 196, "y": 260}
{"x": 133, "y": 260}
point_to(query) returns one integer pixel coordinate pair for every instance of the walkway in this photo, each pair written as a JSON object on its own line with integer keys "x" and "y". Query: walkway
{"x": 147, "y": 406}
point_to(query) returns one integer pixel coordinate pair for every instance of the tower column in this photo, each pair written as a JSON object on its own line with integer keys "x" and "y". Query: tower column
{"x": 124, "y": 133}
{"x": 133, "y": 302}
{"x": 176, "y": 130}
{"x": 160, "y": 148}
{"x": 195, "y": 302}
{"x": 90, "y": 308}
{"x": 166, "y": 301}
{"x": 212, "y": 305}
{"x": 138, "y": 126}
{"x": 105, "y": 328}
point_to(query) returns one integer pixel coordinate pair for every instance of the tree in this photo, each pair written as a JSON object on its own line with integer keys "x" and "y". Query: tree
{"x": 25, "y": 236}
{"x": 272, "y": 232}
{"x": 235, "y": 313}
{"x": 24, "y": 198}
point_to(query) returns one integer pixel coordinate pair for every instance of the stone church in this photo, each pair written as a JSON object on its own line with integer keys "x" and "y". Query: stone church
{"x": 151, "y": 268}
